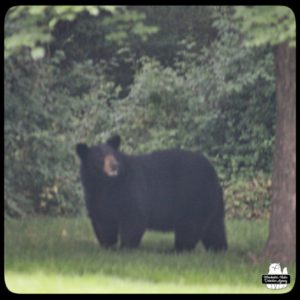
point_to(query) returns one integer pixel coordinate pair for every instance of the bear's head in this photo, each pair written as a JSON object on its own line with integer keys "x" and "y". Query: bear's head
{"x": 101, "y": 160}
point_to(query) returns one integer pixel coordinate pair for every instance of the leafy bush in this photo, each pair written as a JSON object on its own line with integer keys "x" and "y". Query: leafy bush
{"x": 248, "y": 199}
{"x": 43, "y": 122}
{"x": 151, "y": 116}
{"x": 235, "y": 120}
{"x": 219, "y": 101}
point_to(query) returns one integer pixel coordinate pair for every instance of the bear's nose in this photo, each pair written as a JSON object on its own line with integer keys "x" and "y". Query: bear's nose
{"x": 114, "y": 166}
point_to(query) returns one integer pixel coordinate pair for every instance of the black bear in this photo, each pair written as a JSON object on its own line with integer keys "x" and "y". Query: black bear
{"x": 168, "y": 190}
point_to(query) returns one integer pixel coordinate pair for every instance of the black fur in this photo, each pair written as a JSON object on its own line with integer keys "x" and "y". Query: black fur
{"x": 170, "y": 190}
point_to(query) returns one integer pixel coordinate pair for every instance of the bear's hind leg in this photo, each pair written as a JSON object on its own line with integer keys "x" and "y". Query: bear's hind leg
{"x": 186, "y": 236}
{"x": 215, "y": 237}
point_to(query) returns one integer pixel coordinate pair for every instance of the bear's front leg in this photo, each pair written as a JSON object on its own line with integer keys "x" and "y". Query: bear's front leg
{"x": 131, "y": 239}
{"x": 106, "y": 233}
{"x": 131, "y": 234}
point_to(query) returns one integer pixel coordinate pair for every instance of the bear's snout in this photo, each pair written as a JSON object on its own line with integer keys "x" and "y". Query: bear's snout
{"x": 111, "y": 166}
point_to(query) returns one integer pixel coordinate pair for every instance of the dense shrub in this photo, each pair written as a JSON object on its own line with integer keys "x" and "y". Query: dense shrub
{"x": 151, "y": 116}
{"x": 43, "y": 122}
{"x": 218, "y": 101}
{"x": 248, "y": 198}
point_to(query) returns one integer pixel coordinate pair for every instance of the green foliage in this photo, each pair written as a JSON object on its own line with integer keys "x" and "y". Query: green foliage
{"x": 267, "y": 24}
{"x": 125, "y": 22}
{"x": 214, "y": 96}
{"x": 117, "y": 39}
{"x": 43, "y": 122}
{"x": 156, "y": 102}
{"x": 30, "y": 26}
{"x": 33, "y": 26}
{"x": 223, "y": 113}
{"x": 121, "y": 39}
{"x": 248, "y": 199}
{"x": 235, "y": 122}
{"x": 221, "y": 103}
{"x": 165, "y": 110}
{"x": 175, "y": 23}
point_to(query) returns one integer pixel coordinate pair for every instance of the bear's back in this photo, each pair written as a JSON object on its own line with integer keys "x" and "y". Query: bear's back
{"x": 173, "y": 164}
{"x": 168, "y": 180}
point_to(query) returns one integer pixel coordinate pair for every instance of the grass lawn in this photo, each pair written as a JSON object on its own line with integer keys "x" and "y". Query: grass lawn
{"x": 60, "y": 255}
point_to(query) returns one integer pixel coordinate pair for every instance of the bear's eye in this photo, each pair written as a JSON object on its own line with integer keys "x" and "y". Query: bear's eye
{"x": 111, "y": 166}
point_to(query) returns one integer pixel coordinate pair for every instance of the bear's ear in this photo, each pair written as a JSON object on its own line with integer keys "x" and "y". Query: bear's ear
{"x": 114, "y": 141}
{"x": 82, "y": 150}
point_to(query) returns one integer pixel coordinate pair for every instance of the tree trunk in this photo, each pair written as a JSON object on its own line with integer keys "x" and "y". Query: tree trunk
{"x": 281, "y": 244}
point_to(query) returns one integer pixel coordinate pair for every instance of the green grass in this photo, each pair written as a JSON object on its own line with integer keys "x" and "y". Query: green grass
{"x": 44, "y": 255}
